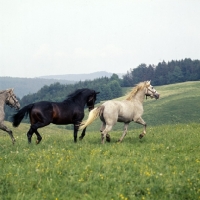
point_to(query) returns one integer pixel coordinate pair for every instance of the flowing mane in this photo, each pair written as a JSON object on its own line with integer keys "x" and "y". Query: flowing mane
{"x": 74, "y": 94}
{"x": 2, "y": 91}
{"x": 138, "y": 87}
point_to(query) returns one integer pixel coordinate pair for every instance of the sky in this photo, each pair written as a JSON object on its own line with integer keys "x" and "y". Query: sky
{"x": 57, "y": 37}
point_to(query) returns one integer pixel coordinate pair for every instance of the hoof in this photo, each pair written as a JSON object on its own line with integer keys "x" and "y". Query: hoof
{"x": 80, "y": 138}
{"x": 107, "y": 139}
{"x": 140, "y": 136}
{"x": 38, "y": 141}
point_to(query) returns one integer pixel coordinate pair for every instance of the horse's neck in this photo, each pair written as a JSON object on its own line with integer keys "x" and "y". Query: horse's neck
{"x": 81, "y": 101}
{"x": 2, "y": 100}
{"x": 139, "y": 96}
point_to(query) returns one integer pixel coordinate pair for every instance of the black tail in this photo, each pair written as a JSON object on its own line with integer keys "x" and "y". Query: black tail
{"x": 17, "y": 118}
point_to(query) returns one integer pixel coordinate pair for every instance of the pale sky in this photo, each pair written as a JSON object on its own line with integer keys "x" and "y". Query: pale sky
{"x": 57, "y": 37}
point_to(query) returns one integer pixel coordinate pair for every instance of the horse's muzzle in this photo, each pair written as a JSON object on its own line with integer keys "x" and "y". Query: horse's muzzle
{"x": 156, "y": 95}
{"x": 17, "y": 106}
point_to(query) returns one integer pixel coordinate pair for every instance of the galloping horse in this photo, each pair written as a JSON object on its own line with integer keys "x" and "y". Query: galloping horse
{"x": 130, "y": 109}
{"x": 7, "y": 97}
{"x": 70, "y": 111}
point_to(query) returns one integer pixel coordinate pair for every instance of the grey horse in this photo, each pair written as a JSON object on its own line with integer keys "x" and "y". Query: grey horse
{"x": 130, "y": 109}
{"x": 7, "y": 97}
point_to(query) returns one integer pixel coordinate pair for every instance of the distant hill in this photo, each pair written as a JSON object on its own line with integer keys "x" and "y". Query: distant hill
{"x": 81, "y": 77}
{"x": 24, "y": 86}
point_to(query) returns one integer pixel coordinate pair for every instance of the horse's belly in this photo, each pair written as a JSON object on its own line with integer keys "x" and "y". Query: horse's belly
{"x": 62, "y": 120}
{"x": 124, "y": 119}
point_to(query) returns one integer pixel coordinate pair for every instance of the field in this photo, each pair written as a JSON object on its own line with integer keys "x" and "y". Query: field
{"x": 165, "y": 164}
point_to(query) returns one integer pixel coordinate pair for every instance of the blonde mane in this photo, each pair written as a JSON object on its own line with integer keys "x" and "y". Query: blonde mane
{"x": 138, "y": 87}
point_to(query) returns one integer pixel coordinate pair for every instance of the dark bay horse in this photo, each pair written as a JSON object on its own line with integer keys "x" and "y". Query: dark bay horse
{"x": 70, "y": 111}
{"x": 130, "y": 109}
{"x": 7, "y": 97}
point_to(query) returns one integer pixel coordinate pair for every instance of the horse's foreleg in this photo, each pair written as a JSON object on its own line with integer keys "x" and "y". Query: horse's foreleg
{"x": 5, "y": 128}
{"x": 125, "y": 132}
{"x": 82, "y": 134}
{"x": 141, "y": 121}
{"x": 76, "y": 126}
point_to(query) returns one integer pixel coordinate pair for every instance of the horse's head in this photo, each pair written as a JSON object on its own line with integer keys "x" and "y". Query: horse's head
{"x": 150, "y": 91}
{"x": 91, "y": 100}
{"x": 11, "y": 99}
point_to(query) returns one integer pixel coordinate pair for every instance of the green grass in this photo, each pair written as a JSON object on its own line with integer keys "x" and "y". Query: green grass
{"x": 165, "y": 164}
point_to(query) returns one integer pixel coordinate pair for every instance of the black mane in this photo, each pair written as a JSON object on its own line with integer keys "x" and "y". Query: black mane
{"x": 75, "y": 94}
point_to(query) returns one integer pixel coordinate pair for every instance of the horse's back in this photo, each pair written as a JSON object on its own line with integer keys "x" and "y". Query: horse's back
{"x": 42, "y": 106}
{"x": 121, "y": 111}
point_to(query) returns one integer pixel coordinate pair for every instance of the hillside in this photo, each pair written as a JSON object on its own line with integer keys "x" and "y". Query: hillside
{"x": 164, "y": 164}
{"x": 178, "y": 103}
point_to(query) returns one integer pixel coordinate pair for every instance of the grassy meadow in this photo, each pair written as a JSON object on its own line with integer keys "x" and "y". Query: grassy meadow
{"x": 165, "y": 164}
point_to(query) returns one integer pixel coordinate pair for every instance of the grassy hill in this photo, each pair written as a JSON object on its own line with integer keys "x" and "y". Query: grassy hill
{"x": 162, "y": 165}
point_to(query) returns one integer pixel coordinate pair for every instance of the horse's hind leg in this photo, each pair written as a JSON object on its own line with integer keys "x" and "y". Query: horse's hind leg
{"x": 33, "y": 129}
{"x": 102, "y": 129}
{"x": 39, "y": 137}
{"x": 125, "y": 132}
{"x": 5, "y": 128}
{"x": 105, "y": 134}
{"x": 29, "y": 135}
{"x": 103, "y": 126}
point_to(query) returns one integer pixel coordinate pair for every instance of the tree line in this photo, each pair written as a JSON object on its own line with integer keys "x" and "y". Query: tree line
{"x": 164, "y": 73}
{"x": 109, "y": 88}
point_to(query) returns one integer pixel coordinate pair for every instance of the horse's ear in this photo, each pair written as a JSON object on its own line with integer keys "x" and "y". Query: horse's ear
{"x": 10, "y": 90}
{"x": 90, "y": 98}
{"x": 148, "y": 83}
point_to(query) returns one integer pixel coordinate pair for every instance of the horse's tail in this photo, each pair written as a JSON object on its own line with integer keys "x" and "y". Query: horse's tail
{"x": 17, "y": 118}
{"x": 93, "y": 114}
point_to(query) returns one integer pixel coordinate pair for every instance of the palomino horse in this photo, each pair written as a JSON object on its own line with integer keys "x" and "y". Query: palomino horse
{"x": 7, "y": 97}
{"x": 130, "y": 109}
{"x": 70, "y": 111}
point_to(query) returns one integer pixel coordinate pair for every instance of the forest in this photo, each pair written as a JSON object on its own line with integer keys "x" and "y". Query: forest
{"x": 110, "y": 88}
{"x": 164, "y": 73}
